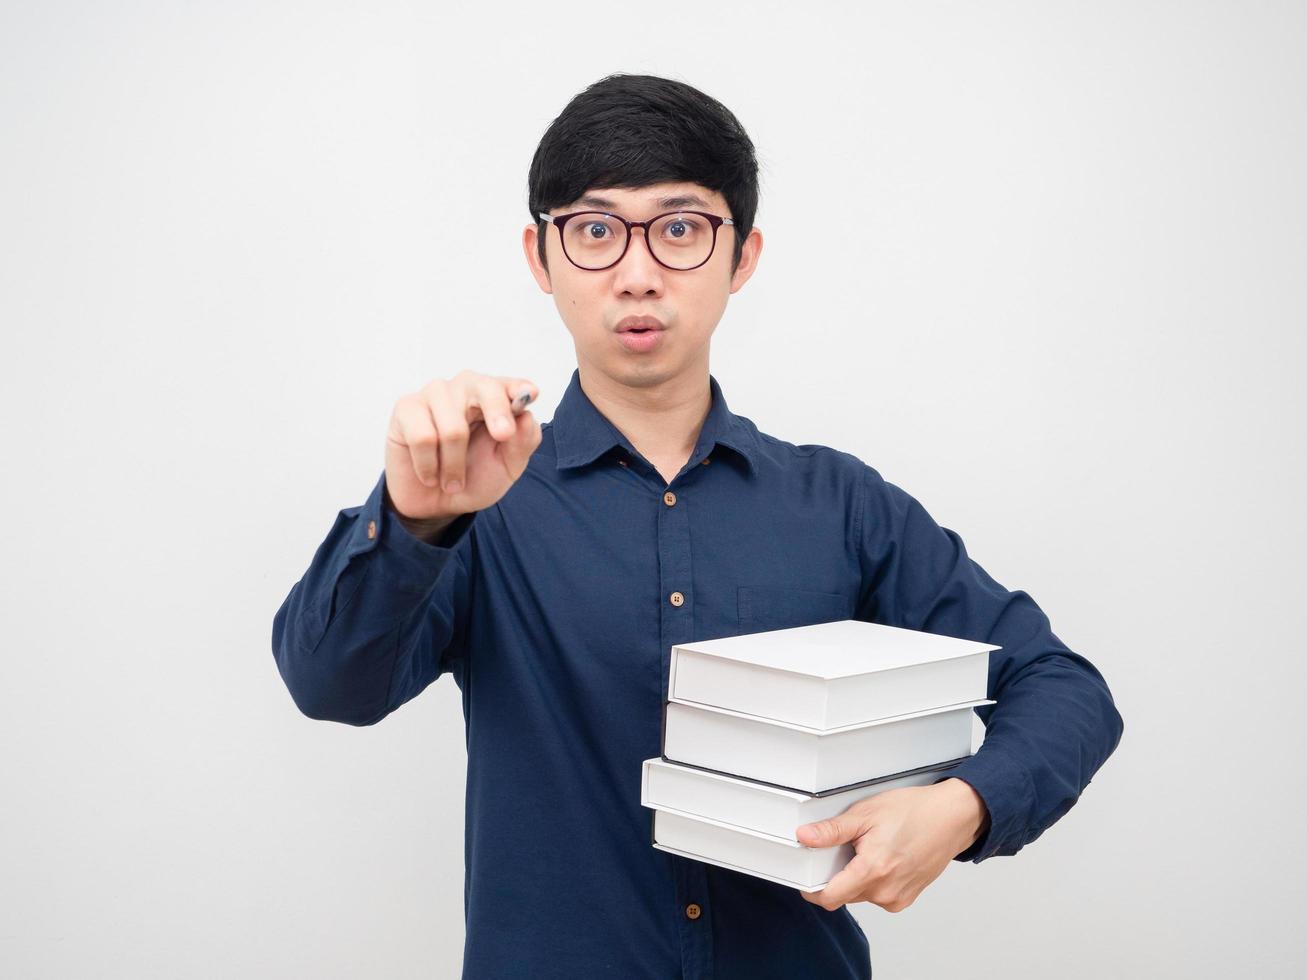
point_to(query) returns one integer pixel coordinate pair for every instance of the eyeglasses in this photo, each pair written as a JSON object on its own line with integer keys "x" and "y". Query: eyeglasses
{"x": 599, "y": 239}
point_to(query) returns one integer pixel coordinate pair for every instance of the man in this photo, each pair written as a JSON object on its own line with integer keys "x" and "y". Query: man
{"x": 550, "y": 569}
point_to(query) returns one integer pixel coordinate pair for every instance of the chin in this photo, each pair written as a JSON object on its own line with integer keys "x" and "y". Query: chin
{"x": 639, "y": 373}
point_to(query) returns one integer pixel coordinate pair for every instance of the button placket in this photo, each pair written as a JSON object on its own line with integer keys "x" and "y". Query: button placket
{"x": 695, "y": 927}
{"x": 676, "y": 625}
{"x": 675, "y": 573}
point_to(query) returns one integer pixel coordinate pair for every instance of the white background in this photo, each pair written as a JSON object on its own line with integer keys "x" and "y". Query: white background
{"x": 1041, "y": 264}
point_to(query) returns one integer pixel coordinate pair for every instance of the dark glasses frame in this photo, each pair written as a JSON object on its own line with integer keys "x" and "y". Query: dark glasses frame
{"x": 559, "y": 220}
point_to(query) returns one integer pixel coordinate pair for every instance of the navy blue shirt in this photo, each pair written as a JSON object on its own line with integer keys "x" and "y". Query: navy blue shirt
{"x": 553, "y": 610}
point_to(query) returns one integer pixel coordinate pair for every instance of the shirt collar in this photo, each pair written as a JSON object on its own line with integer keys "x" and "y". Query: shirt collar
{"x": 582, "y": 433}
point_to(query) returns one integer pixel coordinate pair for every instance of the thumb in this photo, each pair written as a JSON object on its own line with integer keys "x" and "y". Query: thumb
{"x": 518, "y": 447}
{"x": 828, "y": 833}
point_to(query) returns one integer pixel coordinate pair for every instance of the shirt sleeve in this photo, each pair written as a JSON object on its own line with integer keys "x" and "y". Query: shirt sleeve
{"x": 1054, "y": 722}
{"x": 378, "y": 615}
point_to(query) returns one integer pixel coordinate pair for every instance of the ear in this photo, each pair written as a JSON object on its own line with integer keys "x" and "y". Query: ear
{"x": 748, "y": 259}
{"x": 530, "y": 235}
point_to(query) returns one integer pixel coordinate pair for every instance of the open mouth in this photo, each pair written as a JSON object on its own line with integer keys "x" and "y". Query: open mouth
{"x": 639, "y": 323}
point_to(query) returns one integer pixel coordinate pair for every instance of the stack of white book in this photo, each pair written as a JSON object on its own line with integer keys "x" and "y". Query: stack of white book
{"x": 765, "y": 732}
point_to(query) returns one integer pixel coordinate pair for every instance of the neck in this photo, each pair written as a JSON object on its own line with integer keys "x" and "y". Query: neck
{"x": 662, "y": 421}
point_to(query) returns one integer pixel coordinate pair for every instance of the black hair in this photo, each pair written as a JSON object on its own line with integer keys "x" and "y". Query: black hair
{"x": 636, "y": 130}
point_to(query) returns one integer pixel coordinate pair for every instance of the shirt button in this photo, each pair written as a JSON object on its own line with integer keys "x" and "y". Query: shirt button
{"x": 677, "y": 599}
{"x": 669, "y": 498}
{"x": 621, "y": 462}
{"x": 693, "y": 911}
{"x": 372, "y": 530}
{"x": 706, "y": 461}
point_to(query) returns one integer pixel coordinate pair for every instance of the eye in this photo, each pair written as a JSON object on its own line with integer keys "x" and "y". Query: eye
{"x": 681, "y": 229}
{"x": 596, "y": 229}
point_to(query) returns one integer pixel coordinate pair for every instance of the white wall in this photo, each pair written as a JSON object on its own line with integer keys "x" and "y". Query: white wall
{"x": 1039, "y": 263}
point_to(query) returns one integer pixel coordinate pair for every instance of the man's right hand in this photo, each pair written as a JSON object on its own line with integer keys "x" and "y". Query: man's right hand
{"x": 455, "y": 446}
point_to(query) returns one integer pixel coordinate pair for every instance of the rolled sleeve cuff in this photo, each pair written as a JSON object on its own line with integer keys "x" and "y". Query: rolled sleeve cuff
{"x": 1008, "y": 793}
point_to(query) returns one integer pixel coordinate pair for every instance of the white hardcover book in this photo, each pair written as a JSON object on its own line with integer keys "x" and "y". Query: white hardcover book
{"x": 809, "y": 760}
{"x": 759, "y": 807}
{"x": 761, "y": 855}
{"x": 829, "y": 675}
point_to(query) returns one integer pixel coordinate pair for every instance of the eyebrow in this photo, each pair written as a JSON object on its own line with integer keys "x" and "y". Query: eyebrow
{"x": 676, "y": 201}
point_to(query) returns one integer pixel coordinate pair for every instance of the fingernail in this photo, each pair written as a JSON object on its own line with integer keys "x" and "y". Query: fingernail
{"x": 501, "y": 423}
{"x": 453, "y": 486}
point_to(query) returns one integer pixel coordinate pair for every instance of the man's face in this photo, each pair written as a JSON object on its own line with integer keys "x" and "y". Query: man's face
{"x": 688, "y": 303}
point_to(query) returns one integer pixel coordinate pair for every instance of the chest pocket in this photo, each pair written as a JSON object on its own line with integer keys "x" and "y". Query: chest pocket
{"x": 764, "y": 608}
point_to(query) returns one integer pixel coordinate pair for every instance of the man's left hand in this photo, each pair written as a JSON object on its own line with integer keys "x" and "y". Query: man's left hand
{"x": 903, "y": 838}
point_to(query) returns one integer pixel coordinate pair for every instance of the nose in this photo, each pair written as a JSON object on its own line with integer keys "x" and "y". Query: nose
{"x": 638, "y": 272}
